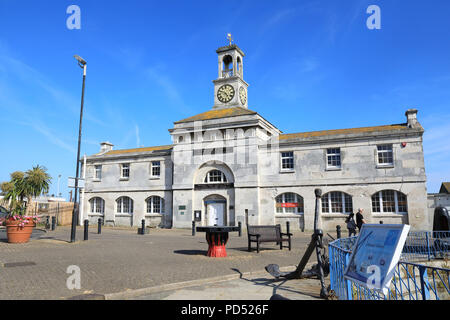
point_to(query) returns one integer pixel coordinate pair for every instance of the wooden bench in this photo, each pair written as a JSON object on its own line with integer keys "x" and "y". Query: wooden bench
{"x": 260, "y": 234}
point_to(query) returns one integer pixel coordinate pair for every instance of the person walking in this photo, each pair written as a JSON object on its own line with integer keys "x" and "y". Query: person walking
{"x": 360, "y": 218}
{"x": 351, "y": 224}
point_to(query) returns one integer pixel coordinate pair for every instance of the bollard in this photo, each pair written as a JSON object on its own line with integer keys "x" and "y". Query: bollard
{"x": 99, "y": 227}
{"x": 53, "y": 223}
{"x": 288, "y": 227}
{"x": 143, "y": 226}
{"x": 240, "y": 228}
{"x": 47, "y": 223}
{"x": 86, "y": 229}
{"x": 193, "y": 227}
{"x": 338, "y": 231}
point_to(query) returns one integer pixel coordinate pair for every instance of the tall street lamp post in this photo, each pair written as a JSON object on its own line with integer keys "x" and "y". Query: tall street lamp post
{"x": 82, "y": 64}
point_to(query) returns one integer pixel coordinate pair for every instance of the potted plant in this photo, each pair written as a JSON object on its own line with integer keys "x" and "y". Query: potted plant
{"x": 19, "y": 195}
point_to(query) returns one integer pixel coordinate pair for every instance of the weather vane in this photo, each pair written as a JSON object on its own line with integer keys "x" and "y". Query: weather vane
{"x": 229, "y": 38}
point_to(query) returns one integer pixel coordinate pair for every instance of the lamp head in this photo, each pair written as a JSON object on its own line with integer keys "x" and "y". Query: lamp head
{"x": 80, "y": 60}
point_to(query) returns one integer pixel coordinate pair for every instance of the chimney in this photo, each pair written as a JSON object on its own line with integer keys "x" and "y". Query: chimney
{"x": 411, "y": 118}
{"x": 106, "y": 147}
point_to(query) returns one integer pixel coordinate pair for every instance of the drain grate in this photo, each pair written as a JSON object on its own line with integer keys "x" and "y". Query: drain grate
{"x": 19, "y": 264}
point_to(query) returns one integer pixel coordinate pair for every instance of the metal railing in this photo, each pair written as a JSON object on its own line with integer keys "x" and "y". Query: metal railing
{"x": 411, "y": 280}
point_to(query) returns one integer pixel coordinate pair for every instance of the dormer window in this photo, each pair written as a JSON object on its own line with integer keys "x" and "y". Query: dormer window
{"x": 215, "y": 176}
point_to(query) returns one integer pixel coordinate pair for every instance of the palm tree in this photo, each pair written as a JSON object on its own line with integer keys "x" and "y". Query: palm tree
{"x": 27, "y": 185}
{"x": 37, "y": 182}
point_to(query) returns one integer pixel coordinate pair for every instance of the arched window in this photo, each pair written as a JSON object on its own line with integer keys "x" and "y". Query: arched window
{"x": 337, "y": 202}
{"x": 227, "y": 66}
{"x": 289, "y": 203}
{"x": 389, "y": 201}
{"x": 215, "y": 176}
{"x": 239, "y": 66}
{"x": 97, "y": 205}
{"x": 125, "y": 205}
{"x": 155, "y": 204}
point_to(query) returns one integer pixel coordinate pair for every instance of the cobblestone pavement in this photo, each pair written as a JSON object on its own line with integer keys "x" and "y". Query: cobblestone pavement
{"x": 120, "y": 259}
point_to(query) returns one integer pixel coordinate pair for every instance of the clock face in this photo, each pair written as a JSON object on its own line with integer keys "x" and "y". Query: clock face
{"x": 243, "y": 95}
{"x": 225, "y": 93}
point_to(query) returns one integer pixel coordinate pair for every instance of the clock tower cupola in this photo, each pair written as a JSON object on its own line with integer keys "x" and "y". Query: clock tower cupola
{"x": 230, "y": 89}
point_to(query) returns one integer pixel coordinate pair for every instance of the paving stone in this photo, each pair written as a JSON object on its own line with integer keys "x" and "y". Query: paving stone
{"x": 117, "y": 260}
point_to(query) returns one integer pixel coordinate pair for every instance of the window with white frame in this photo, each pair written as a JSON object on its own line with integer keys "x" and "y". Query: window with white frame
{"x": 125, "y": 205}
{"x": 156, "y": 169}
{"x": 337, "y": 202}
{"x": 125, "y": 170}
{"x": 97, "y": 205}
{"x": 385, "y": 155}
{"x": 289, "y": 203}
{"x": 333, "y": 158}
{"x": 155, "y": 204}
{"x": 215, "y": 176}
{"x": 98, "y": 172}
{"x": 389, "y": 201}
{"x": 287, "y": 161}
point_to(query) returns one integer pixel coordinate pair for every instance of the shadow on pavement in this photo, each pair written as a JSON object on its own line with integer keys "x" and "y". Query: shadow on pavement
{"x": 192, "y": 252}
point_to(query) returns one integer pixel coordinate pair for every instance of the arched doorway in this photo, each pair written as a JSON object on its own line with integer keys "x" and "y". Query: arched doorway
{"x": 215, "y": 208}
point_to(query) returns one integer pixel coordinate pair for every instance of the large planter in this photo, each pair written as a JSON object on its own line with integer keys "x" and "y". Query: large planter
{"x": 17, "y": 233}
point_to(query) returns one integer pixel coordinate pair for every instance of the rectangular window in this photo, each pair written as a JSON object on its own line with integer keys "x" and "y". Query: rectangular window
{"x": 125, "y": 170}
{"x": 385, "y": 155}
{"x": 287, "y": 161}
{"x": 98, "y": 172}
{"x": 334, "y": 158}
{"x": 156, "y": 168}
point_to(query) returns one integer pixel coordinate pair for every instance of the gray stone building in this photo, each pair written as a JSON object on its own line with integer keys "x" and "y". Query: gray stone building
{"x": 441, "y": 199}
{"x": 230, "y": 164}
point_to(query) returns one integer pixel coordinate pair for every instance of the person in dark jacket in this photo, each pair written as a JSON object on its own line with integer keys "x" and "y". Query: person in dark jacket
{"x": 351, "y": 224}
{"x": 360, "y": 218}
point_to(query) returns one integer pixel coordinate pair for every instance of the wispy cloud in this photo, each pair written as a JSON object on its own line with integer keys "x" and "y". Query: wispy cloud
{"x": 436, "y": 149}
{"x": 38, "y": 126}
{"x": 170, "y": 89}
{"x": 138, "y": 139}
{"x": 28, "y": 75}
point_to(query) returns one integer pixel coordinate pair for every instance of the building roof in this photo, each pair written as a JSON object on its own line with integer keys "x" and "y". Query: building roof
{"x": 343, "y": 131}
{"x": 445, "y": 187}
{"x": 218, "y": 114}
{"x": 230, "y": 47}
{"x": 146, "y": 149}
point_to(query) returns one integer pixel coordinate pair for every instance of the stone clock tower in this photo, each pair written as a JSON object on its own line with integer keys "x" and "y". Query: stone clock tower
{"x": 230, "y": 89}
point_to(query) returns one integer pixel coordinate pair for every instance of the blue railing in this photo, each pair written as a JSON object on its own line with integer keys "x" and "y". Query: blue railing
{"x": 411, "y": 280}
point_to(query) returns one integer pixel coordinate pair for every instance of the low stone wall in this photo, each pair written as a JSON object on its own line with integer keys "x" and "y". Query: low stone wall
{"x": 61, "y": 210}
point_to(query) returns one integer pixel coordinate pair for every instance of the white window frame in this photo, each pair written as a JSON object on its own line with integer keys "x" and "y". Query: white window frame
{"x": 98, "y": 172}
{"x": 151, "y": 205}
{"x": 298, "y": 199}
{"x": 223, "y": 177}
{"x": 391, "y": 164}
{"x": 343, "y": 194}
{"x": 153, "y": 165}
{"x": 122, "y": 170}
{"x": 331, "y": 154}
{"x": 287, "y": 157}
{"x": 380, "y": 199}
{"x": 95, "y": 205}
{"x": 120, "y": 205}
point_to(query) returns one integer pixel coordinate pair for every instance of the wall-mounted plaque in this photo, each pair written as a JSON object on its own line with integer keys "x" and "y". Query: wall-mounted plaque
{"x": 197, "y": 215}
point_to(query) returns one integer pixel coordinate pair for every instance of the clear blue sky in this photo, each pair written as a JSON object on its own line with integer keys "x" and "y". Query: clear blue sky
{"x": 311, "y": 65}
